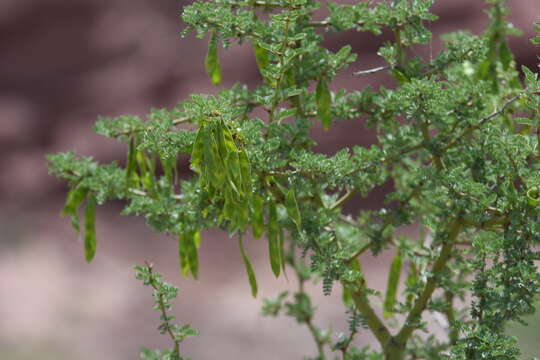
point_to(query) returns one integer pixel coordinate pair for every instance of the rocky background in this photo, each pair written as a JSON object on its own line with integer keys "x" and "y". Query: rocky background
{"x": 64, "y": 62}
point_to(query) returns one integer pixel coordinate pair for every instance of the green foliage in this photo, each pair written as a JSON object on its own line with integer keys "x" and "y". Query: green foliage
{"x": 457, "y": 136}
{"x": 163, "y": 293}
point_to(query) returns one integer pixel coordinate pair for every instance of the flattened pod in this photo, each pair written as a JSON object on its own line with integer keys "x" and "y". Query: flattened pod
{"x": 187, "y": 251}
{"x": 273, "y": 238}
{"x": 258, "y": 216}
{"x": 249, "y": 269}
{"x": 74, "y": 199}
{"x": 90, "y": 229}
{"x": 211, "y": 63}
{"x": 197, "y": 151}
{"x": 393, "y": 282}
{"x": 411, "y": 281}
{"x": 292, "y": 209}
{"x": 324, "y": 101}
{"x": 131, "y": 164}
{"x": 261, "y": 56}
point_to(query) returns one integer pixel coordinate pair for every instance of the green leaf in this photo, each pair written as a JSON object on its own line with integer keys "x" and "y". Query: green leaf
{"x": 392, "y": 286}
{"x": 285, "y": 113}
{"x": 74, "y": 199}
{"x": 324, "y": 101}
{"x": 90, "y": 229}
{"x": 187, "y": 251}
{"x": 258, "y": 216}
{"x": 249, "y": 269}
{"x": 211, "y": 62}
{"x": 400, "y": 76}
{"x": 273, "y": 238}
{"x": 344, "y": 52}
{"x": 292, "y": 209}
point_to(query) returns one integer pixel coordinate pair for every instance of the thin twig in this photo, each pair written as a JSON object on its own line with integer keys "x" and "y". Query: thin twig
{"x": 163, "y": 309}
{"x": 175, "y": 122}
{"x": 144, "y": 193}
{"x": 371, "y": 71}
{"x": 342, "y": 199}
{"x": 377, "y": 327}
{"x": 309, "y": 322}
{"x": 322, "y": 23}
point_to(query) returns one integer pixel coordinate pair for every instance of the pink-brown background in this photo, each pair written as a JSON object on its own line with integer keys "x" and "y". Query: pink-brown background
{"x": 64, "y": 62}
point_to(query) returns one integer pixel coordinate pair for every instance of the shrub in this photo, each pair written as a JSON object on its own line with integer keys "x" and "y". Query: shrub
{"x": 458, "y": 137}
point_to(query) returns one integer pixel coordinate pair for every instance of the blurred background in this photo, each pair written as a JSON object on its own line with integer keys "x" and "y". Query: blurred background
{"x": 64, "y": 62}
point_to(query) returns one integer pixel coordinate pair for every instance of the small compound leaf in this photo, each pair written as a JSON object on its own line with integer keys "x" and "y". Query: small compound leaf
{"x": 392, "y": 286}
{"x": 90, "y": 229}
{"x": 249, "y": 269}
{"x": 274, "y": 238}
{"x": 74, "y": 199}
{"x": 211, "y": 63}
{"x": 324, "y": 101}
